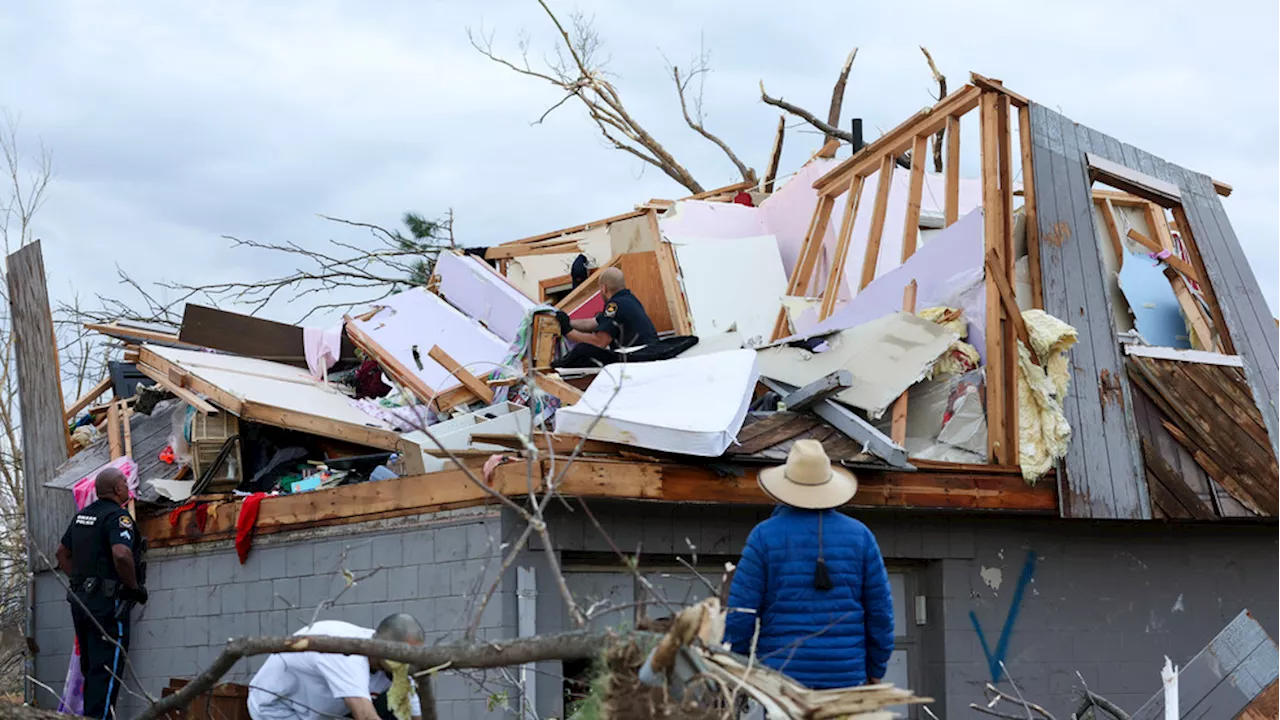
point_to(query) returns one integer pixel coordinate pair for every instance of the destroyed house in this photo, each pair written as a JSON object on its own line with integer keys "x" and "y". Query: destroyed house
{"x": 1055, "y": 382}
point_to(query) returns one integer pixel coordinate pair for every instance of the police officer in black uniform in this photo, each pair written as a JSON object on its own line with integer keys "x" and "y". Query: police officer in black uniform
{"x": 101, "y": 553}
{"x": 622, "y": 324}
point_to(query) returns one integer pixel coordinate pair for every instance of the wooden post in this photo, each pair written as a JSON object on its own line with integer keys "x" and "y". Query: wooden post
{"x": 113, "y": 431}
{"x": 831, "y": 293}
{"x": 810, "y": 250}
{"x": 877, "y": 222}
{"x": 911, "y": 228}
{"x": 952, "y": 207}
{"x": 126, "y": 415}
{"x": 670, "y": 274}
{"x": 997, "y": 430}
{"x": 1029, "y": 208}
{"x": 1113, "y": 230}
{"x": 1008, "y": 333}
{"x": 899, "y": 428}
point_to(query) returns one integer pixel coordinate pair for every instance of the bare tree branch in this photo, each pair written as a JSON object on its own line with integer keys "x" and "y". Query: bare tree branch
{"x": 700, "y": 68}
{"x": 775, "y": 157}
{"x": 826, "y": 128}
{"x": 942, "y": 92}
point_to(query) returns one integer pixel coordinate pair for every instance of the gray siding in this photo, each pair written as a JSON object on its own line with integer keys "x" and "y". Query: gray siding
{"x": 1103, "y": 477}
{"x": 431, "y": 567}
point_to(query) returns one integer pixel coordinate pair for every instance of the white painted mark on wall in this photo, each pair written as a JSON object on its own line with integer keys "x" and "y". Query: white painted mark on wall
{"x": 1177, "y": 605}
{"x": 993, "y": 577}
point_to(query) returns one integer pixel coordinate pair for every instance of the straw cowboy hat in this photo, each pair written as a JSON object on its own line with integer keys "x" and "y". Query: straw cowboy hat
{"x": 808, "y": 480}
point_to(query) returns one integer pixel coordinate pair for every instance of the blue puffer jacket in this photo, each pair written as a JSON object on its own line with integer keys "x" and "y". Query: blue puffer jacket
{"x": 822, "y": 638}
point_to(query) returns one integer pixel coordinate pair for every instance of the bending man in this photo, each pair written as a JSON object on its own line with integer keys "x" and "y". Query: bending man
{"x": 319, "y": 686}
{"x": 622, "y": 324}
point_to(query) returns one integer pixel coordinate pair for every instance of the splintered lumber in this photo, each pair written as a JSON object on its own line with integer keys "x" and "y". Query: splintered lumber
{"x": 1113, "y": 230}
{"x": 554, "y": 386}
{"x": 1172, "y": 260}
{"x": 1010, "y": 304}
{"x": 817, "y": 390}
{"x": 126, "y": 414}
{"x": 775, "y": 157}
{"x": 471, "y": 382}
{"x": 1201, "y": 333}
{"x": 94, "y": 393}
{"x": 899, "y": 426}
{"x": 113, "y": 431}
{"x": 1226, "y": 345}
{"x": 994, "y": 85}
{"x": 546, "y": 331}
{"x": 161, "y": 378}
{"x": 391, "y": 366}
{"x": 997, "y": 417}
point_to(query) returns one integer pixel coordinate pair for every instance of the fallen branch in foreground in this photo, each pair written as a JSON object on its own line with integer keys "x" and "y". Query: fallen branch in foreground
{"x": 460, "y": 656}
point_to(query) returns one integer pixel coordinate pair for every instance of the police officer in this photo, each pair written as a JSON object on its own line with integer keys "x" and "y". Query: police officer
{"x": 622, "y": 324}
{"x": 100, "y": 552}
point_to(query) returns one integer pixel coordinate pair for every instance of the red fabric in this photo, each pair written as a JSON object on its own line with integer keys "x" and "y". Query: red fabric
{"x": 166, "y": 455}
{"x": 244, "y": 524}
{"x": 744, "y": 198}
{"x": 202, "y": 516}
{"x": 177, "y": 512}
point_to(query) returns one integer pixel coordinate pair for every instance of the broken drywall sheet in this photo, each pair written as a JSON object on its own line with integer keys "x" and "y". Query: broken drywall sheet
{"x": 456, "y": 433}
{"x": 948, "y": 272}
{"x": 711, "y": 220}
{"x": 731, "y": 284}
{"x": 1156, "y": 313}
{"x": 527, "y": 271}
{"x": 886, "y": 357}
{"x": 420, "y": 319}
{"x": 475, "y": 289}
{"x": 692, "y": 406}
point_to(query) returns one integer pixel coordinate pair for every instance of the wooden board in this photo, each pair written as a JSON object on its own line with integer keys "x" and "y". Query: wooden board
{"x": 878, "y": 213}
{"x": 963, "y": 487}
{"x": 1102, "y": 475}
{"x": 94, "y": 393}
{"x": 644, "y": 279}
{"x": 835, "y": 278}
{"x": 469, "y": 381}
{"x": 1029, "y": 207}
{"x": 249, "y": 336}
{"x": 47, "y": 511}
{"x": 668, "y": 271}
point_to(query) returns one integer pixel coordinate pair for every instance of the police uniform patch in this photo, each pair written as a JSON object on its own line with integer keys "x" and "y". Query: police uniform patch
{"x": 126, "y": 521}
{"x": 611, "y": 309}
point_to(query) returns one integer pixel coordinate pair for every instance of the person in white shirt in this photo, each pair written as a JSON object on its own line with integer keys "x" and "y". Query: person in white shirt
{"x": 322, "y": 686}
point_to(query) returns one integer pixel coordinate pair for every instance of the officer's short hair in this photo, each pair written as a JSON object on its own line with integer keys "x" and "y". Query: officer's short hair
{"x": 106, "y": 481}
{"x": 401, "y": 627}
{"x": 613, "y": 279}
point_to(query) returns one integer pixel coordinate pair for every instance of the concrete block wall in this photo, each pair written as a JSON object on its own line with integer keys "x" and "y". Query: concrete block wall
{"x": 431, "y": 566}
{"x": 1106, "y": 600}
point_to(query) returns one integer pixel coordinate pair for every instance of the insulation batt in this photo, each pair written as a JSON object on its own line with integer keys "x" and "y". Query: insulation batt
{"x": 961, "y": 357}
{"x": 1043, "y": 432}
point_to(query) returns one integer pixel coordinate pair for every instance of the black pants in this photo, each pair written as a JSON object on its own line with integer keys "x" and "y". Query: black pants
{"x": 101, "y": 661}
{"x": 586, "y": 355}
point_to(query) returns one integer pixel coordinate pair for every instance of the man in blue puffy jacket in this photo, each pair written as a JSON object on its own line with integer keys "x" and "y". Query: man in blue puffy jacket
{"x": 814, "y": 579}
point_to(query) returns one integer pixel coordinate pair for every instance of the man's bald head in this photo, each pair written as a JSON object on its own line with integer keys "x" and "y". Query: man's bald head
{"x": 111, "y": 485}
{"x": 612, "y": 281}
{"x": 401, "y": 627}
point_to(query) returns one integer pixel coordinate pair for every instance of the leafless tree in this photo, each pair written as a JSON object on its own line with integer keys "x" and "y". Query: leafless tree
{"x": 941, "y": 80}
{"x": 578, "y": 72}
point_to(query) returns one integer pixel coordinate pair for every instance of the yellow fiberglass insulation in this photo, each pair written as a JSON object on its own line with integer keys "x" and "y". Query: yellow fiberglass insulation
{"x": 961, "y": 357}
{"x": 398, "y": 694}
{"x": 1043, "y": 432}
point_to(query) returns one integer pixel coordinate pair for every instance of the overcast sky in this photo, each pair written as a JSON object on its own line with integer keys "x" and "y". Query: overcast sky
{"x": 172, "y": 124}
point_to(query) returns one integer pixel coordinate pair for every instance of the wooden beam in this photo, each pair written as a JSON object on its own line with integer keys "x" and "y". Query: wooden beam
{"x": 828, "y": 149}
{"x": 113, "y": 431}
{"x": 993, "y": 85}
{"x": 876, "y": 232}
{"x": 1112, "y": 229}
{"x": 915, "y": 188}
{"x": 997, "y": 417}
{"x": 575, "y": 229}
{"x": 734, "y": 188}
{"x": 161, "y": 378}
{"x": 899, "y": 417}
{"x": 1172, "y": 261}
{"x": 1225, "y": 344}
{"x": 835, "y": 277}
{"x": 1158, "y": 225}
{"x": 925, "y": 122}
{"x": 548, "y": 247}
{"x": 775, "y": 157}
{"x": 1010, "y": 304}
{"x": 1012, "y": 316}
{"x": 468, "y": 380}
{"x": 126, "y": 422}
{"x": 554, "y": 386}
{"x": 951, "y": 211}
{"x": 1029, "y": 208}
{"x": 817, "y": 390}
{"x": 83, "y": 402}
{"x": 589, "y": 287}
{"x": 810, "y": 251}
{"x": 1201, "y": 333}
{"x": 127, "y": 333}
{"x": 669, "y": 271}
{"x": 1222, "y": 188}
{"x": 1123, "y": 178}
{"x": 851, "y": 424}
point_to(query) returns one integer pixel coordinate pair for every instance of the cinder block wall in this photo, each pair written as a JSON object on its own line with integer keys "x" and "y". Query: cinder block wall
{"x": 1107, "y": 600}
{"x": 431, "y": 566}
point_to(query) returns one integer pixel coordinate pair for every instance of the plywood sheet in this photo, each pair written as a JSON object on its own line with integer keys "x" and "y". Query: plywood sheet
{"x": 886, "y": 357}
{"x": 640, "y": 269}
{"x": 472, "y": 287}
{"x": 692, "y": 406}
{"x": 731, "y": 284}
{"x": 417, "y": 318}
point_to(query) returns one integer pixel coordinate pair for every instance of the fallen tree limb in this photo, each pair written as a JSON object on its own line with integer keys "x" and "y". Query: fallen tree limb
{"x": 460, "y": 656}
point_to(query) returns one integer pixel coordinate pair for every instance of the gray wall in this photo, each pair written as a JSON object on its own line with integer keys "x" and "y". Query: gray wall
{"x": 432, "y": 567}
{"x": 1107, "y": 600}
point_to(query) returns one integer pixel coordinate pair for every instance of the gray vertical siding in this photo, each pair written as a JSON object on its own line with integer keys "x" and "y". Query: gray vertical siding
{"x": 1102, "y": 477}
